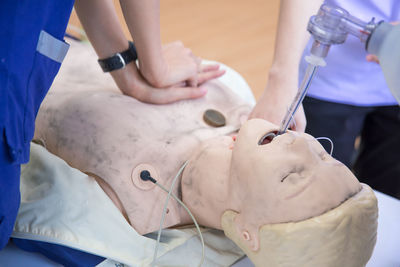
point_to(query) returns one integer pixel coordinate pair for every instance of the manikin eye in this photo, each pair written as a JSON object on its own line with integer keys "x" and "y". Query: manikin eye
{"x": 267, "y": 138}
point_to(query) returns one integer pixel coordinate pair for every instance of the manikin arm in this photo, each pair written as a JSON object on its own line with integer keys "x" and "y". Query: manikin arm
{"x": 291, "y": 39}
{"x": 161, "y": 67}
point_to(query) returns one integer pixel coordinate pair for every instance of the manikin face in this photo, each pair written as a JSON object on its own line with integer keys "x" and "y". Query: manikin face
{"x": 288, "y": 179}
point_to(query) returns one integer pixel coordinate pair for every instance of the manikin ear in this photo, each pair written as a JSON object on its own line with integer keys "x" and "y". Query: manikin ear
{"x": 248, "y": 234}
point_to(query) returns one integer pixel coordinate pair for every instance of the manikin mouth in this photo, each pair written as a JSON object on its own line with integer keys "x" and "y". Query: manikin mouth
{"x": 267, "y": 138}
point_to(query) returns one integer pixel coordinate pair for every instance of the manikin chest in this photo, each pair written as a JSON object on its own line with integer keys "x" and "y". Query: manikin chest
{"x": 114, "y": 137}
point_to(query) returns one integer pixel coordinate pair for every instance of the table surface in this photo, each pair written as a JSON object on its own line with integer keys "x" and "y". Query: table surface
{"x": 386, "y": 252}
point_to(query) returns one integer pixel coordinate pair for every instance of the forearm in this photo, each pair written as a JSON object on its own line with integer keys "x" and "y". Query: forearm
{"x": 291, "y": 39}
{"x": 292, "y": 36}
{"x": 102, "y": 26}
{"x": 104, "y": 31}
{"x": 143, "y": 21}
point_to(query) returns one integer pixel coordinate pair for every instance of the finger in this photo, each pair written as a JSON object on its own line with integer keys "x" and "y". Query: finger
{"x": 209, "y": 67}
{"x": 198, "y": 61}
{"x": 372, "y": 58}
{"x": 181, "y": 84}
{"x": 300, "y": 120}
{"x": 192, "y": 82}
{"x": 206, "y": 76}
{"x": 165, "y": 96}
{"x": 298, "y": 126}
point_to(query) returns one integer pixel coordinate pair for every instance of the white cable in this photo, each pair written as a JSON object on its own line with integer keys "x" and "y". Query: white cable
{"x": 164, "y": 213}
{"x": 194, "y": 220}
{"x": 327, "y": 138}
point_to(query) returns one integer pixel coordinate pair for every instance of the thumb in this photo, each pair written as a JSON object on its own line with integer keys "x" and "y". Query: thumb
{"x": 299, "y": 120}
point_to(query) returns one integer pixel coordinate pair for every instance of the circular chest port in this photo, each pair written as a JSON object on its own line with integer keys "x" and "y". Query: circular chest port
{"x": 138, "y": 182}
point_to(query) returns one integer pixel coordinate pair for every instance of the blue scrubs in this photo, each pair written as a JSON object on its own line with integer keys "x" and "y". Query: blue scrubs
{"x": 32, "y": 49}
{"x": 63, "y": 255}
{"x": 31, "y": 52}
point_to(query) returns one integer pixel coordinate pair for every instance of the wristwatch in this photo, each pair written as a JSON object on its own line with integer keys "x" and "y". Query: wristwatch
{"x": 119, "y": 60}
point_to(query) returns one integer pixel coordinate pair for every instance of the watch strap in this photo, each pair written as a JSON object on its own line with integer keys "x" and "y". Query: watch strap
{"x": 119, "y": 60}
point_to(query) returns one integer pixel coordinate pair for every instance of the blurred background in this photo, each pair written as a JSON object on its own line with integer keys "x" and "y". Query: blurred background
{"x": 238, "y": 33}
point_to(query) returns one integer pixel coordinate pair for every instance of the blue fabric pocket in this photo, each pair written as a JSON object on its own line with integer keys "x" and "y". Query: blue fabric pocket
{"x": 49, "y": 55}
{"x": 46, "y": 63}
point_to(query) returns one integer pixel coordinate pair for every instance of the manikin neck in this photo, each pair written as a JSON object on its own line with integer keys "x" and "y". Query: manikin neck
{"x": 207, "y": 196}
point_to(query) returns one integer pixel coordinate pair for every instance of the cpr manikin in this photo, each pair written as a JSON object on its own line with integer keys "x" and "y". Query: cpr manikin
{"x": 253, "y": 187}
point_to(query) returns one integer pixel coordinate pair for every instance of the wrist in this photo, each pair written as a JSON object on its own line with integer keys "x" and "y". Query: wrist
{"x": 280, "y": 78}
{"x": 119, "y": 60}
{"x": 283, "y": 71}
{"x": 127, "y": 79}
{"x": 153, "y": 71}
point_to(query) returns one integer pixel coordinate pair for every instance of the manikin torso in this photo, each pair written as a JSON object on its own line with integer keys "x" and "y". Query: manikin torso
{"x": 88, "y": 123}
{"x": 114, "y": 137}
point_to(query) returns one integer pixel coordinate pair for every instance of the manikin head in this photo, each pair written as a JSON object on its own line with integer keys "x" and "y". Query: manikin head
{"x": 285, "y": 181}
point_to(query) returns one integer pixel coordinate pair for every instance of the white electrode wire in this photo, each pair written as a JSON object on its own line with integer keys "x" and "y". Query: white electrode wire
{"x": 318, "y": 138}
{"x": 327, "y": 138}
{"x": 165, "y": 211}
{"x": 194, "y": 220}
